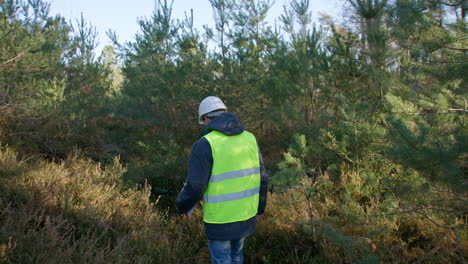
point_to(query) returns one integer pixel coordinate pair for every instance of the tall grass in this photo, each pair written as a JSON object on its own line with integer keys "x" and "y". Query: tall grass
{"x": 78, "y": 212}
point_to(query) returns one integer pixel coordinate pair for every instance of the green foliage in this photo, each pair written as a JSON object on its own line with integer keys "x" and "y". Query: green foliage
{"x": 109, "y": 59}
{"x": 371, "y": 12}
{"x": 368, "y": 214}
{"x": 31, "y": 48}
{"x": 163, "y": 168}
{"x": 373, "y": 113}
{"x": 429, "y": 39}
{"x": 428, "y": 137}
{"x": 53, "y": 91}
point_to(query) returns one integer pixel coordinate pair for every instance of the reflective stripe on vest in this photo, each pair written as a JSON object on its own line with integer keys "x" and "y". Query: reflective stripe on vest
{"x": 233, "y": 190}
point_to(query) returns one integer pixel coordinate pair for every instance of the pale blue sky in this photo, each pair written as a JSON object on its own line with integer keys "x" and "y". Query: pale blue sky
{"x": 121, "y": 15}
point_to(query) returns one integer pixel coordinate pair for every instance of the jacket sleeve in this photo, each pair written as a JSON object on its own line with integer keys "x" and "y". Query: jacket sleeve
{"x": 263, "y": 186}
{"x": 198, "y": 175}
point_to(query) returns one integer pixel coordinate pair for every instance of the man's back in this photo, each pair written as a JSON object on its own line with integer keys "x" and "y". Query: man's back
{"x": 199, "y": 174}
{"x": 233, "y": 190}
{"x": 226, "y": 171}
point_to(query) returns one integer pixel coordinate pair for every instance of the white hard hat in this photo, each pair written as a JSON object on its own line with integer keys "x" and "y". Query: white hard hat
{"x": 209, "y": 104}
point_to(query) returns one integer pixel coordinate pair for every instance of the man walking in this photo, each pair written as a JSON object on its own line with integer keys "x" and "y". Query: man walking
{"x": 225, "y": 170}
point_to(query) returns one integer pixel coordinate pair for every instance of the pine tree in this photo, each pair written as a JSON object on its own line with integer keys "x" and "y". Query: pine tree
{"x": 222, "y": 14}
{"x": 31, "y": 48}
{"x": 429, "y": 137}
{"x": 429, "y": 41}
{"x": 375, "y": 39}
{"x": 109, "y": 59}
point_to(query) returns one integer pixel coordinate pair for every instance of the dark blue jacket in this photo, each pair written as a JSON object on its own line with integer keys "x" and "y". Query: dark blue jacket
{"x": 199, "y": 173}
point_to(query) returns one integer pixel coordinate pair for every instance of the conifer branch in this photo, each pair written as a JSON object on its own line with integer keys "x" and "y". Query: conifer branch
{"x": 423, "y": 213}
{"x": 19, "y": 55}
{"x": 456, "y": 49}
{"x": 452, "y": 5}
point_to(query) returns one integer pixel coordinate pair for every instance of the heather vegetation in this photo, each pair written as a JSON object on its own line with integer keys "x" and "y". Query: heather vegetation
{"x": 362, "y": 125}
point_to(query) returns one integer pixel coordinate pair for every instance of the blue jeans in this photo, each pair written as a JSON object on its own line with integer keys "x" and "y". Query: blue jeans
{"x": 226, "y": 252}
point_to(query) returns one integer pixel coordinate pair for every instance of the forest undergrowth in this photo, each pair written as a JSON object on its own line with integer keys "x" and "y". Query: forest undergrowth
{"x": 361, "y": 120}
{"x": 76, "y": 212}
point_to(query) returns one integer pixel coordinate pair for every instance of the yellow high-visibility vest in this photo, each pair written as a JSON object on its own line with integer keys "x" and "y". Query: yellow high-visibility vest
{"x": 233, "y": 190}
